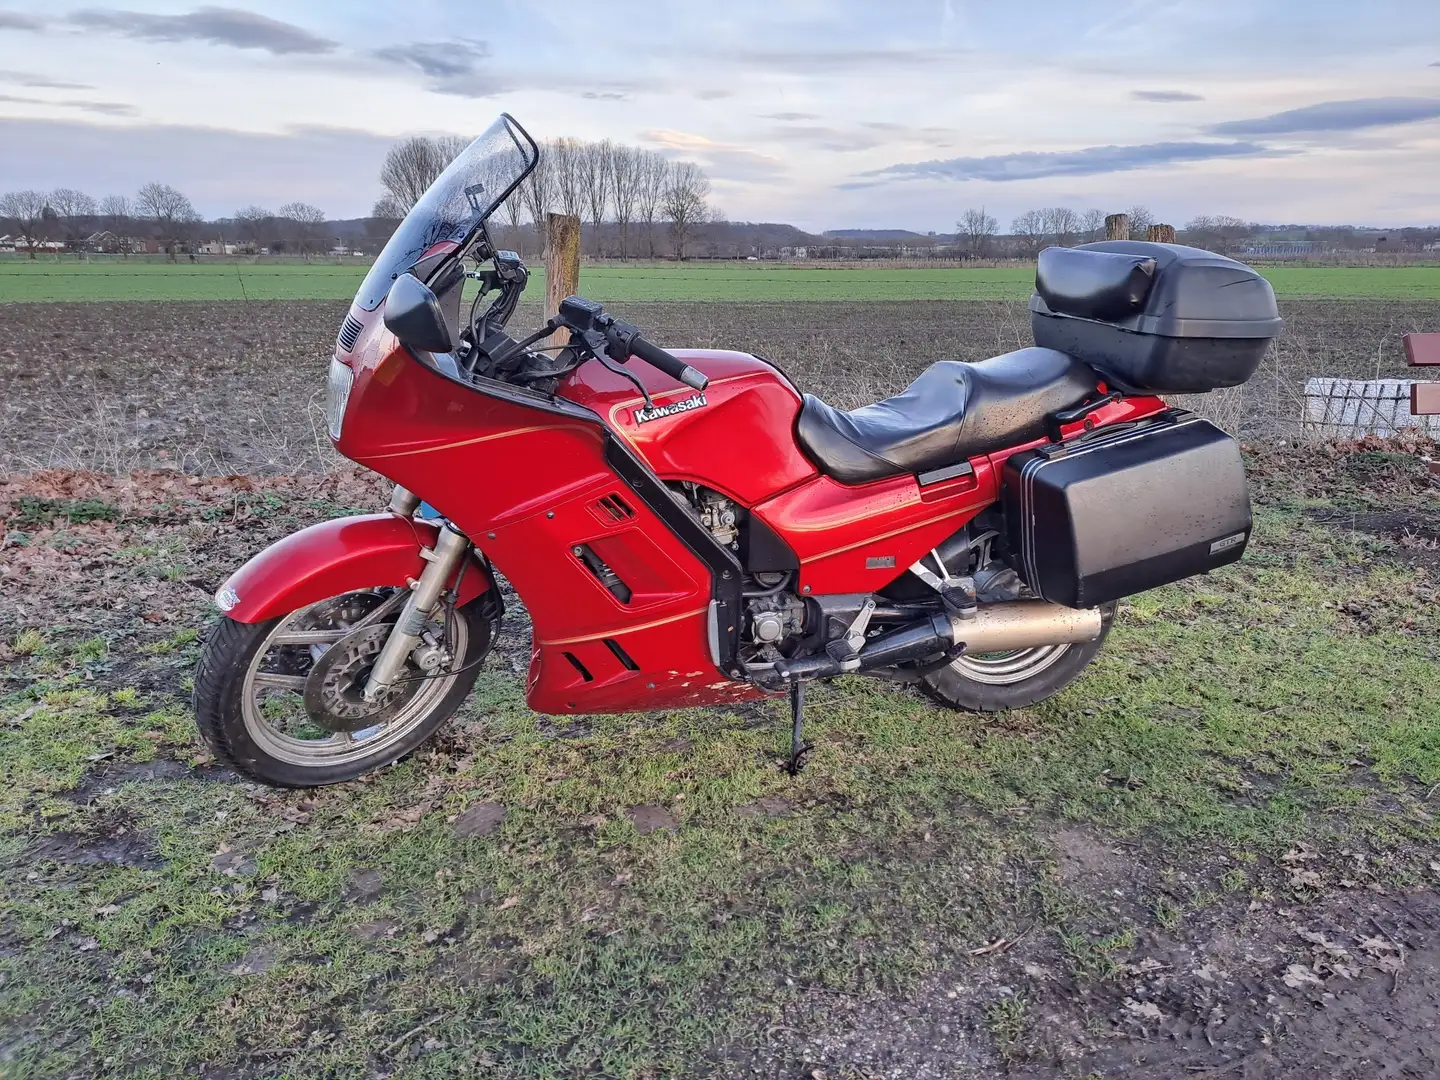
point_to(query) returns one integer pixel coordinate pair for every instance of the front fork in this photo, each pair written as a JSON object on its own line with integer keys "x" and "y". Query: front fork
{"x": 451, "y": 548}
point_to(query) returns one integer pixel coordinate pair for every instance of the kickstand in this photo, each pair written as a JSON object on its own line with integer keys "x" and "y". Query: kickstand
{"x": 798, "y": 748}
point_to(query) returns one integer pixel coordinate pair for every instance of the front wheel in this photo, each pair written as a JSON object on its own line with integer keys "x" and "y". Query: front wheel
{"x": 993, "y": 682}
{"x": 281, "y": 702}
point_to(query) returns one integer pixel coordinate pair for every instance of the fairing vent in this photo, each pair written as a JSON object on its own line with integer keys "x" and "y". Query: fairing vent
{"x": 613, "y": 508}
{"x": 349, "y": 333}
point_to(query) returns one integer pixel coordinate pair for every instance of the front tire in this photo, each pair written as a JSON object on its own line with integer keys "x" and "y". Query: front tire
{"x": 249, "y": 703}
{"x": 994, "y": 682}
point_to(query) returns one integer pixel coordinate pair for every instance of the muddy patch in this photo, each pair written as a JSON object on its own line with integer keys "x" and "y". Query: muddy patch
{"x": 120, "y": 845}
{"x": 1415, "y": 534}
{"x": 108, "y": 779}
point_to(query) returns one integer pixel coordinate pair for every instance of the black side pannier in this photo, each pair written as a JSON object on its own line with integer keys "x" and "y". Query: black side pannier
{"x": 1126, "y": 509}
{"x": 1154, "y": 318}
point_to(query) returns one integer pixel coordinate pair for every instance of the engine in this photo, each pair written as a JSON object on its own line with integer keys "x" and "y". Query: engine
{"x": 773, "y": 613}
{"x": 769, "y": 620}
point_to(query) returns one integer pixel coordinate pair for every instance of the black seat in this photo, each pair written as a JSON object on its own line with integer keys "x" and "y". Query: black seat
{"x": 953, "y": 411}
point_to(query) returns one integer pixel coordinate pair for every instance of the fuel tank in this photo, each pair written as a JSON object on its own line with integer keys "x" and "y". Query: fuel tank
{"x": 737, "y": 436}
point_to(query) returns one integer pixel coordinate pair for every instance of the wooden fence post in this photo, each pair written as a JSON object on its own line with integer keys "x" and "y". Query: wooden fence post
{"x": 1117, "y": 227}
{"x": 1423, "y": 350}
{"x": 1161, "y": 234}
{"x": 562, "y": 265}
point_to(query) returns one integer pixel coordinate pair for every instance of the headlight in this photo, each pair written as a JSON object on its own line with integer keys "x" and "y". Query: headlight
{"x": 337, "y": 396}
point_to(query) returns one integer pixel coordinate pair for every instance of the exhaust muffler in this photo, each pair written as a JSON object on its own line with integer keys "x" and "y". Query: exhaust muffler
{"x": 1020, "y": 624}
{"x": 1024, "y": 624}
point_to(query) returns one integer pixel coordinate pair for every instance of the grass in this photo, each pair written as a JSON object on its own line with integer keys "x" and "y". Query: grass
{"x": 67, "y": 279}
{"x": 1286, "y": 700}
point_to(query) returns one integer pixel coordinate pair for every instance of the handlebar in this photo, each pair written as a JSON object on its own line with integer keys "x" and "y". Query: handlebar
{"x": 622, "y": 340}
{"x": 671, "y": 365}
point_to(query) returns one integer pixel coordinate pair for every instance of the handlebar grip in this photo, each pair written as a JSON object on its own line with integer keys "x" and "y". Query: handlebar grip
{"x": 671, "y": 365}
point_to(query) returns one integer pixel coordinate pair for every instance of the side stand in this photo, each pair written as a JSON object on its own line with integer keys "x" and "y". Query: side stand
{"x": 798, "y": 747}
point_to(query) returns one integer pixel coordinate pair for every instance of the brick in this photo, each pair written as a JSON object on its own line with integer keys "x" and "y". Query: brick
{"x": 1425, "y": 399}
{"x": 1422, "y": 350}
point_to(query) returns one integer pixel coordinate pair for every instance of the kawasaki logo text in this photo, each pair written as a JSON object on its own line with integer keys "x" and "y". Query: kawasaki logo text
{"x": 659, "y": 412}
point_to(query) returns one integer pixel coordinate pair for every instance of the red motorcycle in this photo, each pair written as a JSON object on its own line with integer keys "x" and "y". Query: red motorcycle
{"x": 688, "y": 528}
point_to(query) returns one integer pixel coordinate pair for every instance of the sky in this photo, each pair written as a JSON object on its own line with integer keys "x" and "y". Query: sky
{"x": 822, "y": 113}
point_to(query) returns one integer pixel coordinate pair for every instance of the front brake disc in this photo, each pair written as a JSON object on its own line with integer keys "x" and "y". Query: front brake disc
{"x": 335, "y": 687}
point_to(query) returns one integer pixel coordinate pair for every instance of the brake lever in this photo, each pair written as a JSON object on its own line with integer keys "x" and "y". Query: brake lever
{"x": 597, "y": 343}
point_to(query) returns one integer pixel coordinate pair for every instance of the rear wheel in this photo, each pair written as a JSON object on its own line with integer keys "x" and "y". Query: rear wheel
{"x": 281, "y": 700}
{"x": 993, "y": 682}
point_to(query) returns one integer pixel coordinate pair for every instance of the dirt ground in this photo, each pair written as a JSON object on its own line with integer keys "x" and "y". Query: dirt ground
{"x": 222, "y": 388}
{"x": 1216, "y": 855}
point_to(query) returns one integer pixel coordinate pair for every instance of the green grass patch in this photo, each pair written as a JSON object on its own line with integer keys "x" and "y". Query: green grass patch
{"x": 165, "y": 921}
{"x": 68, "y": 279}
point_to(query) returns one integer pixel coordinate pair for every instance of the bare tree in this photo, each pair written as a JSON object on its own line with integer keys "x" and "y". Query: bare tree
{"x": 1092, "y": 225}
{"x": 978, "y": 228}
{"x": 1140, "y": 221}
{"x": 168, "y": 208}
{"x": 309, "y": 221}
{"x": 685, "y": 202}
{"x": 1062, "y": 223}
{"x": 515, "y": 214}
{"x": 1221, "y": 233}
{"x": 387, "y": 208}
{"x": 625, "y": 167}
{"x": 597, "y": 165}
{"x": 539, "y": 193}
{"x": 413, "y": 164}
{"x": 653, "y": 181}
{"x": 1030, "y": 229}
{"x": 27, "y": 209}
{"x": 567, "y": 168}
{"x": 115, "y": 214}
{"x": 251, "y": 224}
{"x": 76, "y": 213}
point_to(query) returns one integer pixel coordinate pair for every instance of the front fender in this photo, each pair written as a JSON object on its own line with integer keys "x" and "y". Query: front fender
{"x": 335, "y": 557}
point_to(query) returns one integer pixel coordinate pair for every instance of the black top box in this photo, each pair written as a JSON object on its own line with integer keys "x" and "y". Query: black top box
{"x": 1154, "y": 318}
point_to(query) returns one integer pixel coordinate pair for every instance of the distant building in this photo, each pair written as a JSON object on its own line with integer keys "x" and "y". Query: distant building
{"x": 1281, "y": 249}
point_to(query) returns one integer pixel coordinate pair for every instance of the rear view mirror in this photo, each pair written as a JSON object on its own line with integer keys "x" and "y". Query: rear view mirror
{"x": 412, "y": 314}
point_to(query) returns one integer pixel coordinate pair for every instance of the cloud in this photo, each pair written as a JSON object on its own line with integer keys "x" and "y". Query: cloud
{"x": 713, "y": 95}
{"x": 217, "y": 25}
{"x": 1164, "y": 96}
{"x": 9, "y": 20}
{"x": 438, "y": 59}
{"x": 336, "y": 169}
{"x": 605, "y": 95}
{"x": 791, "y": 116}
{"x": 829, "y": 138}
{"x": 459, "y": 66}
{"x": 105, "y": 108}
{"x": 846, "y": 61}
{"x": 1094, "y": 160}
{"x": 727, "y": 161}
{"x": 1336, "y": 116}
{"x": 40, "y": 82}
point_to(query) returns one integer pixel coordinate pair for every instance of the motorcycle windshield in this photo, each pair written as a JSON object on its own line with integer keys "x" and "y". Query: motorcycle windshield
{"x": 454, "y": 207}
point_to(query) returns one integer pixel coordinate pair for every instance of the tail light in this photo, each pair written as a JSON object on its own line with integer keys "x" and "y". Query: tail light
{"x": 337, "y": 396}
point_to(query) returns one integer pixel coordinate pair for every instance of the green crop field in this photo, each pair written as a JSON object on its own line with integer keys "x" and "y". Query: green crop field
{"x": 65, "y": 279}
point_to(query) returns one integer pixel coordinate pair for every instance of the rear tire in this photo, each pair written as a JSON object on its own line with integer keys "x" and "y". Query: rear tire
{"x": 994, "y": 682}
{"x": 229, "y": 718}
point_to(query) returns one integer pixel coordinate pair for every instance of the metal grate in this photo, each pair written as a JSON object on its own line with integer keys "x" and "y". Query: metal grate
{"x": 1353, "y": 408}
{"x": 349, "y": 333}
